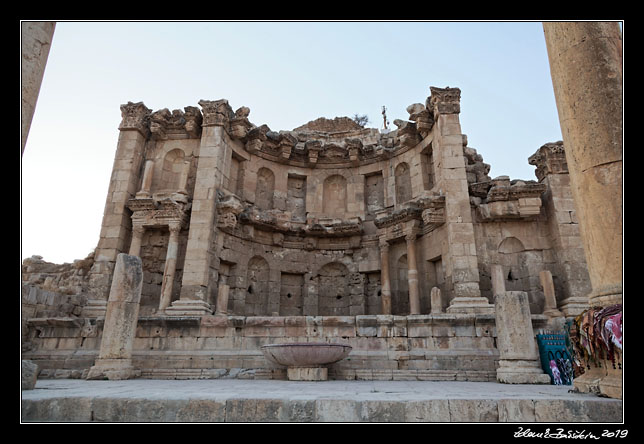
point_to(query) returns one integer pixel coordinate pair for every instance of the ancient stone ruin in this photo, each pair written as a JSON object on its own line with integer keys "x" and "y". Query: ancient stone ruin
{"x": 396, "y": 243}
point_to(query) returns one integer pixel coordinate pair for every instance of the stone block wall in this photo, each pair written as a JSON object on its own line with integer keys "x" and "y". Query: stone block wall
{"x": 385, "y": 347}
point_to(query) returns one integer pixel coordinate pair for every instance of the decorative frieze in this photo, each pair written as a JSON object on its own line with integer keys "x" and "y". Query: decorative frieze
{"x": 154, "y": 212}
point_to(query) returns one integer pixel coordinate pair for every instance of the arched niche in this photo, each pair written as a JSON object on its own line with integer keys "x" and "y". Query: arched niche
{"x": 169, "y": 177}
{"x": 264, "y": 189}
{"x": 257, "y": 277}
{"x": 403, "y": 183}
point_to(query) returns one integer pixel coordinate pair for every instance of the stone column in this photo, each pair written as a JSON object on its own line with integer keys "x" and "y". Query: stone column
{"x": 35, "y": 42}
{"x": 550, "y": 300}
{"x": 137, "y": 237}
{"x": 183, "y": 183}
{"x": 498, "y": 279}
{"x": 146, "y": 183}
{"x": 214, "y": 154}
{"x": 170, "y": 267}
{"x": 115, "y": 356}
{"x": 385, "y": 283}
{"x": 412, "y": 275}
{"x": 222, "y": 299}
{"x": 519, "y": 359}
{"x": 115, "y": 228}
{"x": 586, "y": 68}
{"x": 462, "y": 273}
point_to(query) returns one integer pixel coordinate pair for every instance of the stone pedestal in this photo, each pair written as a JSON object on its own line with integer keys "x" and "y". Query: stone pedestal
{"x": 307, "y": 373}
{"x": 519, "y": 359}
{"x": 114, "y": 359}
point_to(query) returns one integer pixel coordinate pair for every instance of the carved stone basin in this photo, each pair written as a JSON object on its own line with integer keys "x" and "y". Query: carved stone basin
{"x": 306, "y": 361}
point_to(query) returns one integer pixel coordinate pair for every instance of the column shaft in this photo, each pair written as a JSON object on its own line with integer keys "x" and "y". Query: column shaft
{"x": 137, "y": 237}
{"x": 412, "y": 275}
{"x": 170, "y": 268}
{"x": 146, "y": 183}
{"x": 586, "y": 68}
{"x": 385, "y": 285}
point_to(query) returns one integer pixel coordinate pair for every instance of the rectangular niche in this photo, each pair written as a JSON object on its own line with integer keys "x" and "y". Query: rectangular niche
{"x": 374, "y": 194}
{"x": 291, "y": 294}
{"x": 296, "y": 197}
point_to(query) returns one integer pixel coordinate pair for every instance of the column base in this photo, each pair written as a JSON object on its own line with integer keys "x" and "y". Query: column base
{"x": 574, "y": 306}
{"x": 307, "y": 373}
{"x": 600, "y": 381}
{"x": 113, "y": 369}
{"x": 553, "y": 313}
{"x": 182, "y": 307}
{"x": 611, "y": 296}
{"x": 521, "y": 372}
{"x": 470, "y": 305}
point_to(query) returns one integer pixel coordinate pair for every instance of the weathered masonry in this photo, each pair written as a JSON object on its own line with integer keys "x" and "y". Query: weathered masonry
{"x": 385, "y": 240}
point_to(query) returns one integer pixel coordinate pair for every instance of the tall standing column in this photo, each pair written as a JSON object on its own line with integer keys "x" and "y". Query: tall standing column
{"x": 214, "y": 154}
{"x": 385, "y": 285}
{"x": 462, "y": 272}
{"x": 412, "y": 274}
{"x": 35, "y": 42}
{"x": 170, "y": 267}
{"x": 586, "y": 69}
{"x": 115, "y": 229}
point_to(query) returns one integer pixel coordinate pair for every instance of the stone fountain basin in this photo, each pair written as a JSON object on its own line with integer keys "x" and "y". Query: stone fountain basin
{"x": 305, "y": 354}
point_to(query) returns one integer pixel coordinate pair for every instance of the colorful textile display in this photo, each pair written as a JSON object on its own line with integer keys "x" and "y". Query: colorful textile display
{"x": 596, "y": 334}
{"x": 555, "y": 357}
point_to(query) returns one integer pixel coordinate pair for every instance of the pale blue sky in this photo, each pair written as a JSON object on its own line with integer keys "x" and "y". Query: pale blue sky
{"x": 287, "y": 73}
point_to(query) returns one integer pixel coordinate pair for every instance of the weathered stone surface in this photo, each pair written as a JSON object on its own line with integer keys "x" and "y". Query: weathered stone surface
{"x": 29, "y": 374}
{"x": 330, "y": 233}
{"x": 519, "y": 360}
{"x": 114, "y": 360}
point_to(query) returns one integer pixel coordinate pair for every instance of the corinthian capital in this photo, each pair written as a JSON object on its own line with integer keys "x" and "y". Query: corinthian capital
{"x": 135, "y": 116}
{"x": 445, "y": 100}
{"x": 216, "y": 112}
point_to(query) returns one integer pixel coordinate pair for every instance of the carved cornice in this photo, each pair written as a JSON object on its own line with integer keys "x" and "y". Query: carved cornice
{"x": 135, "y": 116}
{"x": 155, "y": 212}
{"x": 502, "y": 199}
{"x": 549, "y": 159}
{"x": 341, "y": 228}
{"x": 428, "y": 209}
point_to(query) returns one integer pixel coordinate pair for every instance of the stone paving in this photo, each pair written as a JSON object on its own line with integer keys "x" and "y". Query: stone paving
{"x": 234, "y": 400}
